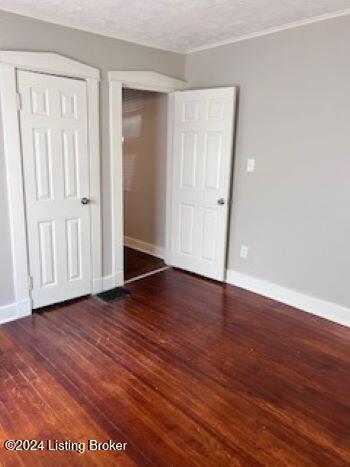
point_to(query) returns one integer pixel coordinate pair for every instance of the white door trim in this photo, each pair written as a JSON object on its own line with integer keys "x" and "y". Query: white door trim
{"x": 50, "y": 63}
{"x": 146, "y": 81}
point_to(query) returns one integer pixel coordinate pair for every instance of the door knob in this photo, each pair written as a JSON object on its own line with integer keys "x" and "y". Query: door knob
{"x": 85, "y": 201}
{"x": 221, "y": 201}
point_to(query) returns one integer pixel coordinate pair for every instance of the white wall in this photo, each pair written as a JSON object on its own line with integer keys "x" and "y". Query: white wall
{"x": 294, "y": 119}
{"x": 22, "y": 33}
{"x": 144, "y": 162}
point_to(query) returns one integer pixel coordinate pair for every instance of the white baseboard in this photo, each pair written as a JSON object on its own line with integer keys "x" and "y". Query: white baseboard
{"x": 113, "y": 280}
{"x": 97, "y": 285}
{"x": 145, "y": 247}
{"x": 101, "y": 284}
{"x": 14, "y": 311}
{"x": 23, "y": 308}
{"x": 331, "y": 311}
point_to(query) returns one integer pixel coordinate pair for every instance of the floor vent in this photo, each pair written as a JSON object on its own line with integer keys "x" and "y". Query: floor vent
{"x": 114, "y": 295}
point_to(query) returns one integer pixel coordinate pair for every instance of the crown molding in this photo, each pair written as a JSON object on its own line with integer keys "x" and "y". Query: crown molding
{"x": 265, "y": 32}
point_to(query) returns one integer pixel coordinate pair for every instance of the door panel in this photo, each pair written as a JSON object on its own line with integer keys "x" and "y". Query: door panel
{"x": 54, "y": 134}
{"x": 213, "y": 154}
{"x": 188, "y": 159}
{"x": 48, "y": 250}
{"x": 208, "y": 234}
{"x": 202, "y": 163}
{"x": 40, "y": 101}
{"x": 69, "y": 105}
{"x": 186, "y": 223}
{"x": 43, "y": 164}
{"x": 70, "y": 158}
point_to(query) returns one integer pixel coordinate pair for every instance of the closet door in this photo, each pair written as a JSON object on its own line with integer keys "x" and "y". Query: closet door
{"x": 54, "y": 136}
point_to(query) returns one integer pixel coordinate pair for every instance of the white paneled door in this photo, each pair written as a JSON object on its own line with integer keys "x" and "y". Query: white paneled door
{"x": 201, "y": 175}
{"x": 53, "y": 120}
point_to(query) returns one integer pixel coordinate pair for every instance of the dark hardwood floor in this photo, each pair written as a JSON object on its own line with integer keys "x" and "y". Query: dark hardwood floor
{"x": 186, "y": 371}
{"x": 137, "y": 263}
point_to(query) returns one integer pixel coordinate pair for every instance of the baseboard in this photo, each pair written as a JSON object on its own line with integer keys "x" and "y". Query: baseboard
{"x": 97, "y": 285}
{"x": 23, "y": 308}
{"x": 145, "y": 247}
{"x": 14, "y": 311}
{"x": 331, "y": 311}
{"x": 112, "y": 281}
{"x": 101, "y": 284}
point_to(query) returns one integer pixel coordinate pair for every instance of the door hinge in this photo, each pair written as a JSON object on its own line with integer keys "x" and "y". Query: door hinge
{"x": 30, "y": 283}
{"x": 19, "y": 101}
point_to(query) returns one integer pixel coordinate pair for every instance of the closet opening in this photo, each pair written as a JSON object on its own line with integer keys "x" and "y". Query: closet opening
{"x": 144, "y": 127}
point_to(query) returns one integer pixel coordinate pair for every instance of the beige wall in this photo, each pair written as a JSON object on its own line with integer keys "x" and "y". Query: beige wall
{"x": 144, "y": 159}
{"x": 294, "y": 119}
{"x": 21, "y": 33}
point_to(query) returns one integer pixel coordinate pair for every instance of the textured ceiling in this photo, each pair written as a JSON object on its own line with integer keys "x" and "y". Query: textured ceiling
{"x": 179, "y": 25}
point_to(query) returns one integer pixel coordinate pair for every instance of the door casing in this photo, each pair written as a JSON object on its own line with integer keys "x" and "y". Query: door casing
{"x": 146, "y": 81}
{"x": 54, "y": 64}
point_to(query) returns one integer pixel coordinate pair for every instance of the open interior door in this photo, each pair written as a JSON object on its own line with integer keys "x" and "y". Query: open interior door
{"x": 203, "y": 128}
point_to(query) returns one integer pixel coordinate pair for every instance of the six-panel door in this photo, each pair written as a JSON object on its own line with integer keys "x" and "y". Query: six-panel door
{"x": 201, "y": 175}
{"x": 53, "y": 120}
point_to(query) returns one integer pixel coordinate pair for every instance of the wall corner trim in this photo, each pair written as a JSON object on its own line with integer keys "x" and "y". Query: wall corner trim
{"x": 328, "y": 310}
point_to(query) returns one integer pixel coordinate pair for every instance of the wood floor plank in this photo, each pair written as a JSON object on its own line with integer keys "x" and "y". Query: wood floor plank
{"x": 80, "y": 369}
{"x": 186, "y": 371}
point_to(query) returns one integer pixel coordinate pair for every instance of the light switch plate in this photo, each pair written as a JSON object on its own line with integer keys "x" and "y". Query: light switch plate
{"x": 250, "y": 165}
{"x": 244, "y": 252}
